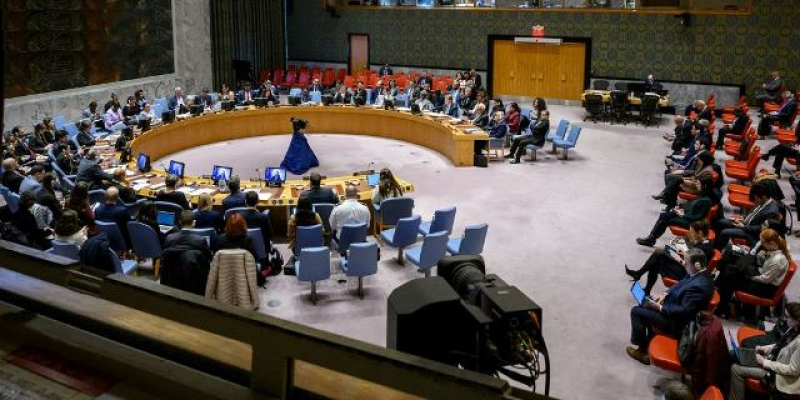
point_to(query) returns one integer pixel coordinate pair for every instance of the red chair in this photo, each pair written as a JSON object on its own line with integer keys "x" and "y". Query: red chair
{"x": 681, "y": 231}
{"x": 303, "y": 80}
{"x": 316, "y": 74}
{"x": 372, "y": 81}
{"x": 304, "y": 69}
{"x": 264, "y": 76}
{"x": 340, "y": 74}
{"x": 786, "y": 136}
{"x": 753, "y": 385}
{"x": 711, "y": 102}
{"x": 291, "y": 78}
{"x": 712, "y": 393}
{"x": 277, "y": 77}
{"x": 741, "y": 200}
{"x": 349, "y": 81}
{"x": 328, "y": 78}
{"x": 691, "y": 196}
{"x": 746, "y": 174}
{"x": 748, "y": 298}
{"x": 727, "y": 112}
{"x": 738, "y": 138}
{"x": 733, "y": 147}
{"x": 663, "y": 351}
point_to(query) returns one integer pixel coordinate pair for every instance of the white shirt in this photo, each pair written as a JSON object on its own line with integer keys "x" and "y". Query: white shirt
{"x": 349, "y": 212}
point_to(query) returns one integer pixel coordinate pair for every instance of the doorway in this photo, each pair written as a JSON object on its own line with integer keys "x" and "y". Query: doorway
{"x": 358, "y": 52}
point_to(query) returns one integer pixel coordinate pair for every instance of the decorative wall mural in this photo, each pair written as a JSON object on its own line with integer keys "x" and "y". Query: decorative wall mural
{"x": 62, "y": 44}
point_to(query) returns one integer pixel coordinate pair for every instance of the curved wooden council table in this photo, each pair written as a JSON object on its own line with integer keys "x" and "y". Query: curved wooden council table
{"x": 434, "y": 133}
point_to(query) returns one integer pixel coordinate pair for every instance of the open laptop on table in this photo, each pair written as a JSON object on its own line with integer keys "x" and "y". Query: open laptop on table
{"x": 165, "y": 220}
{"x": 745, "y": 356}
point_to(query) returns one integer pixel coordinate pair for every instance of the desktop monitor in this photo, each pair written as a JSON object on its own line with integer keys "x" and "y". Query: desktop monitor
{"x": 197, "y": 110}
{"x": 165, "y": 218}
{"x": 261, "y": 102}
{"x": 294, "y": 101}
{"x": 275, "y": 176}
{"x": 228, "y": 105}
{"x": 143, "y": 162}
{"x": 221, "y": 173}
{"x": 176, "y": 168}
{"x": 168, "y": 116}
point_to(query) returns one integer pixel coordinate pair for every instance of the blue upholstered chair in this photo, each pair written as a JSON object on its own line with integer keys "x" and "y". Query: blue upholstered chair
{"x": 133, "y": 208}
{"x": 97, "y": 196}
{"x": 361, "y": 261}
{"x": 429, "y": 253}
{"x": 558, "y": 133}
{"x": 391, "y": 210}
{"x": 313, "y": 265}
{"x": 145, "y": 243}
{"x": 295, "y": 92}
{"x": 471, "y": 243}
{"x": 65, "y": 249}
{"x": 308, "y": 236}
{"x": 72, "y": 131}
{"x": 126, "y": 267}
{"x": 402, "y": 236}
{"x": 443, "y": 220}
{"x": 115, "y": 238}
{"x": 12, "y": 200}
{"x": 169, "y": 207}
{"x": 570, "y": 141}
{"x": 59, "y": 121}
{"x": 209, "y": 233}
{"x": 257, "y": 239}
{"x": 351, "y": 233}
{"x": 324, "y": 210}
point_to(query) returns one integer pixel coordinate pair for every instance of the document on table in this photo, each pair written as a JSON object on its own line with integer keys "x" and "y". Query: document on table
{"x": 264, "y": 196}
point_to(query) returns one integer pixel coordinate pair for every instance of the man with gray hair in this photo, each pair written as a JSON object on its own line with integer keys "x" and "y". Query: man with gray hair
{"x": 349, "y": 212}
{"x": 89, "y": 171}
{"x": 113, "y": 211}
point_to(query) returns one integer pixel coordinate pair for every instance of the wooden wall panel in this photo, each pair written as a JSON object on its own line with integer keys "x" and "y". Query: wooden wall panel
{"x": 539, "y": 70}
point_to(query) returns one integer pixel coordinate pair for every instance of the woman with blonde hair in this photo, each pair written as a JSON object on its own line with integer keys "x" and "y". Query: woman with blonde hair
{"x": 205, "y": 216}
{"x": 759, "y": 272}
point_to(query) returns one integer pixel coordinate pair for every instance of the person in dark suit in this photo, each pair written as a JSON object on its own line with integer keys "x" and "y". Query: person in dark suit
{"x": 781, "y": 152}
{"x": 171, "y": 194}
{"x": 475, "y": 77}
{"x": 112, "y": 211}
{"x": 782, "y": 117}
{"x": 64, "y": 159}
{"x": 694, "y": 210}
{"x": 236, "y": 198}
{"x": 536, "y": 138}
{"x": 318, "y": 194}
{"x": 748, "y": 228}
{"x": 63, "y": 138}
{"x": 682, "y": 135}
{"x": 737, "y": 128}
{"x": 131, "y": 111}
{"x": 360, "y": 97}
{"x": 771, "y": 88}
{"x": 480, "y": 117}
{"x": 386, "y": 70}
{"x": 701, "y": 109}
{"x": 256, "y": 219}
{"x": 450, "y": 107}
{"x": 11, "y": 177}
{"x": 186, "y": 258}
{"x": 424, "y": 79}
{"x": 497, "y": 127}
{"x": 270, "y": 92}
{"x": 84, "y": 136}
{"x": 343, "y": 95}
{"x": 672, "y": 311}
{"x": 89, "y": 171}
{"x": 650, "y": 84}
{"x": 315, "y": 86}
{"x": 177, "y": 102}
{"x": 246, "y": 96}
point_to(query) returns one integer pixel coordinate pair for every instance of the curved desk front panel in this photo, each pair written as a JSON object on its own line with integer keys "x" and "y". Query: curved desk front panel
{"x": 449, "y": 140}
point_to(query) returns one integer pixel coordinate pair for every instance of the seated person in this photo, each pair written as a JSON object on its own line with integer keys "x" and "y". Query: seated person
{"x": 669, "y": 313}
{"x": 31, "y": 182}
{"x": 779, "y": 359}
{"x": 387, "y": 188}
{"x": 112, "y": 211}
{"x": 205, "y": 216}
{"x": 437, "y": 99}
{"x": 700, "y": 111}
{"x": 479, "y": 116}
{"x": 69, "y": 229}
{"x": 257, "y": 219}
{"x": 236, "y": 198}
{"x": 759, "y": 272}
{"x": 772, "y": 88}
{"x": 186, "y": 258}
{"x": 694, "y": 210}
{"x": 84, "y": 136}
{"x": 171, "y": 194}
{"x": 682, "y": 137}
{"x": 450, "y": 107}
{"x": 670, "y": 263}
{"x": 37, "y": 141}
{"x": 148, "y": 215}
{"x": 782, "y": 116}
{"x": 126, "y": 192}
{"x": 497, "y": 127}
{"x": 235, "y": 236}
{"x": 351, "y": 211}
{"x": 536, "y": 138}
{"x": 781, "y": 152}
{"x": 304, "y": 216}
{"x": 89, "y": 171}
{"x": 147, "y": 114}
{"x": 685, "y": 179}
{"x": 318, "y": 194}
{"x": 749, "y": 227}
{"x": 423, "y": 103}
{"x": 514, "y": 118}
{"x": 737, "y": 128}
{"x": 343, "y": 95}
{"x": 360, "y": 97}
{"x": 113, "y": 118}
{"x": 91, "y": 113}
{"x": 12, "y": 177}
{"x": 467, "y": 102}
{"x": 131, "y": 111}
{"x": 246, "y": 96}
{"x": 64, "y": 159}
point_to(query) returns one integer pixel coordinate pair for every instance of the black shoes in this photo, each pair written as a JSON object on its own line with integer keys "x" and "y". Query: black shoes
{"x": 633, "y": 274}
{"x": 647, "y": 241}
{"x": 515, "y": 161}
{"x": 509, "y": 155}
{"x": 659, "y": 196}
{"x": 765, "y": 157}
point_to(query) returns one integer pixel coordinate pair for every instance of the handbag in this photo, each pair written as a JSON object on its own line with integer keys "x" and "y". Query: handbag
{"x": 687, "y": 343}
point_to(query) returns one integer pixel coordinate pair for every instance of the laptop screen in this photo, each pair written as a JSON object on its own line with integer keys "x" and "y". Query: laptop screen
{"x": 165, "y": 218}
{"x": 638, "y": 292}
{"x": 373, "y": 179}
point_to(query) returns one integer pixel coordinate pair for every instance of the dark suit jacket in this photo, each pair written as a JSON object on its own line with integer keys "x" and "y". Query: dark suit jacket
{"x": 706, "y": 114}
{"x": 185, "y": 262}
{"x": 240, "y": 96}
{"x": 12, "y": 180}
{"x": 208, "y": 219}
{"x": 539, "y": 132}
{"x": 91, "y": 173}
{"x": 66, "y": 164}
{"x": 772, "y": 89}
{"x": 233, "y": 201}
{"x": 172, "y": 103}
{"x": 770, "y": 211}
{"x": 255, "y": 219}
{"x": 481, "y": 121}
{"x": 114, "y": 213}
{"x": 688, "y": 297}
{"x": 345, "y": 98}
{"x": 317, "y": 88}
{"x": 386, "y": 71}
{"x": 452, "y": 111}
{"x": 498, "y": 130}
{"x": 477, "y": 82}
{"x": 174, "y": 197}
{"x": 425, "y": 80}
{"x": 321, "y": 195}
{"x": 85, "y": 139}
{"x": 786, "y": 112}
{"x": 739, "y": 124}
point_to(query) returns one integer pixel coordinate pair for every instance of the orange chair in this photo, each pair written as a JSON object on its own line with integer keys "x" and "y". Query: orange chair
{"x": 741, "y": 200}
{"x": 681, "y": 231}
{"x": 786, "y": 136}
{"x": 291, "y": 78}
{"x": 663, "y": 351}
{"x": 733, "y": 147}
{"x": 748, "y": 298}
{"x": 753, "y": 385}
{"x": 303, "y": 79}
{"x": 277, "y": 77}
{"x": 328, "y": 78}
{"x": 372, "y": 82}
{"x": 340, "y": 74}
{"x": 738, "y": 138}
{"x": 691, "y": 196}
{"x": 349, "y": 81}
{"x": 712, "y": 393}
{"x": 727, "y": 112}
{"x": 746, "y": 174}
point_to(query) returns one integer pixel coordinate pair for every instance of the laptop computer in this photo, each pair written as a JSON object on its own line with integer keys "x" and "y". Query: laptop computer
{"x": 638, "y": 293}
{"x": 165, "y": 218}
{"x": 745, "y": 356}
{"x": 373, "y": 179}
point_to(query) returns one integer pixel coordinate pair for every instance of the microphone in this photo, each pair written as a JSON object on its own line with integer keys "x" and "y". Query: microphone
{"x": 366, "y": 171}
{"x": 161, "y": 163}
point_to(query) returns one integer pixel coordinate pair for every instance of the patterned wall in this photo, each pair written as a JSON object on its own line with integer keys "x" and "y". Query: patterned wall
{"x": 61, "y": 44}
{"x": 738, "y": 50}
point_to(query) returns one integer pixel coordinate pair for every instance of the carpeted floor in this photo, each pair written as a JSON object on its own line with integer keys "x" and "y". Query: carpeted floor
{"x": 559, "y": 230}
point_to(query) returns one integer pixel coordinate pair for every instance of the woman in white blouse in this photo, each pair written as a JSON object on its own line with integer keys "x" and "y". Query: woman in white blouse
{"x": 68, "y": 228}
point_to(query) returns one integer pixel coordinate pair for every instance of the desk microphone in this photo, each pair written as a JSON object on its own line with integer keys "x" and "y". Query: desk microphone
{"x": 371, "y": 163}
{"x": 164, "y": 166}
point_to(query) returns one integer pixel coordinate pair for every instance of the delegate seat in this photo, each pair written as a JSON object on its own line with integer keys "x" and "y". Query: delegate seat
{"x": 427, "y": 255}
{"x": 349, "y": 234}
{"x": 388, "y": 213}
{"x": 115, "y": 238}
{"x": 746, "y": 174}
{"x": 595, "y": 109}
{"x": 471, "y": 243}
{"x": 65, "y": 249}
{"x": 277, "y": 77}
{"x": 125, "y": 267}
{"x": 257, "y": 239}
{"x": 209, "y": 233}
{"x": 747, "y": 298}
{"x": 443, "y": 220}
{"x": 753, "y": 385}
{"x": 324, "y": 210}
{"x": 663, "y": 351}
{"x": 712, "y": 393}
{"x": 308, "y": 236}
{"x": 328, "y": 78}
{"x": 570, "y": 142}
{"x": 361, "y": 261}
{"x": 313, "y": 265}
{"x": 558, "y": 133}
{"x": 403, "y": 235}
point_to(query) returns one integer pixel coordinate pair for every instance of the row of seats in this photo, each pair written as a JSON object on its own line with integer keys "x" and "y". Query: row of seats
{"x": 294, "y": 78}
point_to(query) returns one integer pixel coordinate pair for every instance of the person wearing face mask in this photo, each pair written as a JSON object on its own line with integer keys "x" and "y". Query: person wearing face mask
{"x": 671, "y": 311}
{"x": 778, "y": 363}
{"x": 759, "y": 272}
